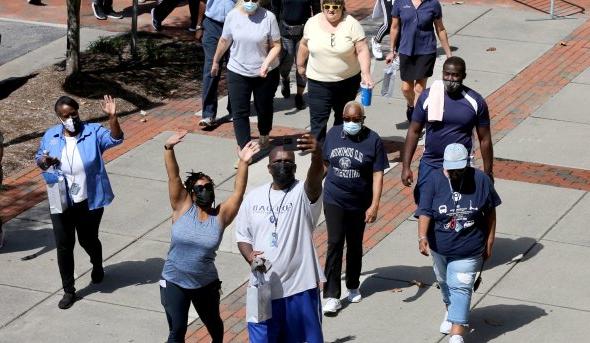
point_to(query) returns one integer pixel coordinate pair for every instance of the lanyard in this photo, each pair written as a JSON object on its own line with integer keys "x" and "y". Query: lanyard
{"x": 454, "y": 223}
{"x": 275, "y": 218}
{"x": 455, "y": 201}
{"x": 72, "y": 161}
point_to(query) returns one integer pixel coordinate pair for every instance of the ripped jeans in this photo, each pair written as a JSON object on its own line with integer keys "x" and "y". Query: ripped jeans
{"x": 455, "y": 278}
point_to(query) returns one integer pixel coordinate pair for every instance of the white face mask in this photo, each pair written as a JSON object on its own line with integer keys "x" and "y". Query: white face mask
{"x": 250, "y": 7}
{"x": 352, "y": 128}
{"x": 69, "y": 125}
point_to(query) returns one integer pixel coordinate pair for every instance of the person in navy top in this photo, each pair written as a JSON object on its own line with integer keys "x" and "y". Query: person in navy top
{"x": 417, "y": 20}
{"x": 74, "y": 149}
{"x": 355, "y": 161}
{"x": 189, "y": 273}
{"x": 464, "y": 110}
{"x": 460, "y": 201}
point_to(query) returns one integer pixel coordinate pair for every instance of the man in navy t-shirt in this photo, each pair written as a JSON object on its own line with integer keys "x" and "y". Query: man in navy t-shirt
{"x": 464, "y": 110}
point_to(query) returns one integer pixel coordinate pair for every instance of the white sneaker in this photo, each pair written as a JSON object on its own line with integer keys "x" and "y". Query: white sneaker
{"x": 445, "y": 326}
{"x": 263, "y": 141}
{"x": 376, "y": 49}
{"x": 456, "y": 339}
{"x": 207, "y": 122}
{"x": 332, "y": 305}
{"x": 354, "y": 296}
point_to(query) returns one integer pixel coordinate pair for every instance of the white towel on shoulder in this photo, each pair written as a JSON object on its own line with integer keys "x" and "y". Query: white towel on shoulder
{"x": 436, "y": 101}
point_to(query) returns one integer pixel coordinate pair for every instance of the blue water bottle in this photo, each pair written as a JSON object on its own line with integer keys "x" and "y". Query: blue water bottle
{"x": 366, "y": 94}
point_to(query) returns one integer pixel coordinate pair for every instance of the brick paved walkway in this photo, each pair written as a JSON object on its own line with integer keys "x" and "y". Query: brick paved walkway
{"x": 509, "y": 106}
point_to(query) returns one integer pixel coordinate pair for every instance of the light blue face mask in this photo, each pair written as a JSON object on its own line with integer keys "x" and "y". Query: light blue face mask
{"x": 250, "y": 7}
{"x": 351, "y": 128}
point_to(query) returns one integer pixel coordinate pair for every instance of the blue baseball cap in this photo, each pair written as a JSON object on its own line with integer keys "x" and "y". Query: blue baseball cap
{"x": 455, "y": 157}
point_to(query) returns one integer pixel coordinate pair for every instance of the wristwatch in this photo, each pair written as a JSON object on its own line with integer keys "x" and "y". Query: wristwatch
{"x": 199, "y": 27}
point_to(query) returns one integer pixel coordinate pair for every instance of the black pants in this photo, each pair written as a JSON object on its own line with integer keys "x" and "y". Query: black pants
{"x": 165, "y": 7}
{"x": 240, "y": 90}
{"x": 177, "y": 300}
{"x": 343, "y": 225}
{"x": 76, "y": 219}
{"x": 105, "y": 4}
{"x": 327, "y": 96}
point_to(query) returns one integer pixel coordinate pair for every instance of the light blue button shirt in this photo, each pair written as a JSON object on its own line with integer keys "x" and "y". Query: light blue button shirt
{"x": 92, "y": 142}
{"x": 218, "y": 9}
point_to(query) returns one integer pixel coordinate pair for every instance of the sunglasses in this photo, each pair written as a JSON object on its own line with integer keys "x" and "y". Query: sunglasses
{"x": 328, "y": 7}
{"x": 354, "y": 120}
{"x": 200, "y": 188}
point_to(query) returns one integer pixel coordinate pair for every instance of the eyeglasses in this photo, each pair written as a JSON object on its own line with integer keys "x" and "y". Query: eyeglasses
{"x": 200, "y": 188}
{"x": 332, "y": 39}
{"x": 250, "y": 0}
{"x": 328, "y": 7}
{"x": 354, "y": 120}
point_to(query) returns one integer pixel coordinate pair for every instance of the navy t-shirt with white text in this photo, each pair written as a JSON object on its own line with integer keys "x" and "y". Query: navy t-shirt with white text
{"x": 464, "y": 210}
{"x": 461, "y": 115}
{"x": 351, "y": 163}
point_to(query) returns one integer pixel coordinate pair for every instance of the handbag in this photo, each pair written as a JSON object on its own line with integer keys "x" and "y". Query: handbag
{"x": 57, "y": 190}
{"x": 258, "y": 300}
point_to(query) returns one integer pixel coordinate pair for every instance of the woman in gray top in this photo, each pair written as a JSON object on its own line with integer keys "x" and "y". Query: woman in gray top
{"x": 189, "y": 274}
{"x": 253, "y": 37}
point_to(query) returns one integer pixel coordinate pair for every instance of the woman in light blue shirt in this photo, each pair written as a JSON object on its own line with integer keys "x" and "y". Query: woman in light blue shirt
{"x": 75, "y": 148}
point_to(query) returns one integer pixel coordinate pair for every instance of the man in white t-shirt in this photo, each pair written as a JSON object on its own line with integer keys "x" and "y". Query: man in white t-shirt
{"x": 276, "y": 222}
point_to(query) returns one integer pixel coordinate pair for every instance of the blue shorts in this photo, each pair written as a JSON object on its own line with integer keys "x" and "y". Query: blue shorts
{"x": 295, "y": 319}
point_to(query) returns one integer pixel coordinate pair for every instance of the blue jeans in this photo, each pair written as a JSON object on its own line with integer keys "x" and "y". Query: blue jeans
{"x": 455, "y": 278}
{"x": 288, "y": 56}
{"x": 211, "y": 34}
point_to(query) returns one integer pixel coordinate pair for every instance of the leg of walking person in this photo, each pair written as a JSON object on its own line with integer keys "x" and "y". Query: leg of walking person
{"x": 240, "y": 89}
{"x": 460, "y": 278}
{"x": 176, "y": 302}
{"x": 287, "y": 57}
{"x": 87, "y": 225}
{"x": 301, "y": 81}
{"x": 163, "y": 9}
{"x": 386, "y": 6}
{"x": 65, "y": 239}
{"x": 347, "y": 91}
{"x": 211, "y": 34}
{"x": 264, "y": 93}
{"x": 193, "y": 7}
{"x": 336, "y": 225}
{"x": 320, "y": 106}
{"x": 355, "y": 231}
{"x": 206, "y": 302}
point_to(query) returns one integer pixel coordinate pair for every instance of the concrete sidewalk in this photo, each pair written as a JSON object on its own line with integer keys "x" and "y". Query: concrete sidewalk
{"x": 537, "y": 111}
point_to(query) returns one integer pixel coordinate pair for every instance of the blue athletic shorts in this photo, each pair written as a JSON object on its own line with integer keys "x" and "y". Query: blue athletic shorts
{"x": 295, "y": 319}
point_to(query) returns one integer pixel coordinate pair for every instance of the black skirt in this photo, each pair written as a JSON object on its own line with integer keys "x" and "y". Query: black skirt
{"x": 416, "y": 67}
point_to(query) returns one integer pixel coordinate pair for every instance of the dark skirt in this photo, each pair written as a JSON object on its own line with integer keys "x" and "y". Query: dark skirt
{"x": 416, "y": 67}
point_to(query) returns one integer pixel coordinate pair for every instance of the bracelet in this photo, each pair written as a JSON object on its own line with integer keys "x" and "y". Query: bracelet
{"x": 421, "y": 238}
{"x": 199, "y": 27}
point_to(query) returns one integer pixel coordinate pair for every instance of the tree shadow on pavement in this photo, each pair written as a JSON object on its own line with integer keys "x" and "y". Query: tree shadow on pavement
{"x": 490, "y": 322}
{"x": 124, "y": 274}
{"x": 11, "y": 84}
{"x": 27, "y": 238}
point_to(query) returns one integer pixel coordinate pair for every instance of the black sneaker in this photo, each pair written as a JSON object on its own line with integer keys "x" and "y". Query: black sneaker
{"x": 97, "y": 274}
{"x": 110, "y": 12}
{"x": 67, "y": 301}
{"x": 155, "y": 24}
{"x": 409, "y": 111}
{"x": 98, "y": 12}
{"x": 285, "y": 89}
{"x": 35, "y": 2}
{"x": 299, "y": 102}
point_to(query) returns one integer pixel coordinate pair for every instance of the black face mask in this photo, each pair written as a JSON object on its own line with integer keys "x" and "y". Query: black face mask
{"x": 452, "y": 87}
{"x": 205, "y": 195}
{"x": 283, "y": 174}
{"x": 456, "y": 174}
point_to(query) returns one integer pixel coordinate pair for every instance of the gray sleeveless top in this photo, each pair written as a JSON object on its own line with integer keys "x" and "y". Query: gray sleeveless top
{"x": 191, "y": 258}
